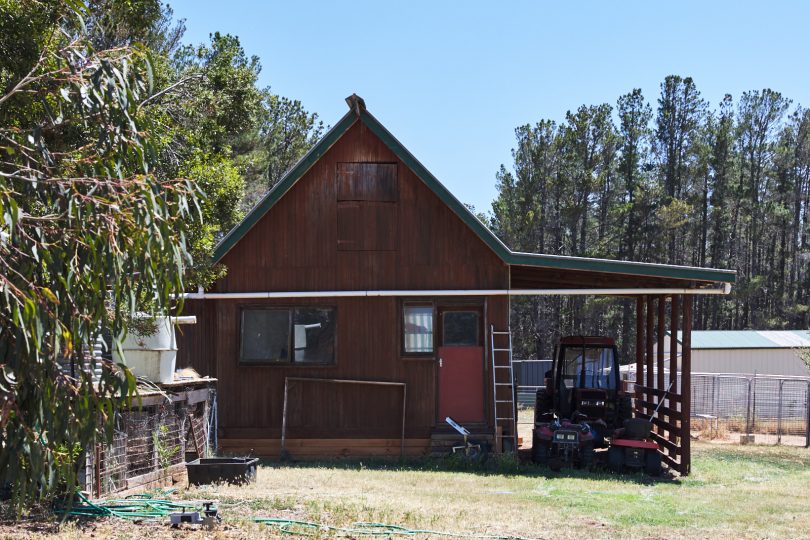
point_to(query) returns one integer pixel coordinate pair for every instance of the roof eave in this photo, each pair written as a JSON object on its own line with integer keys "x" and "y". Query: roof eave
{"x": 622, "y": 267}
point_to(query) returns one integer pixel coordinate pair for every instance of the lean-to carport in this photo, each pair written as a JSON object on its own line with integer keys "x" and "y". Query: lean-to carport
{"x": 664, "y": 295}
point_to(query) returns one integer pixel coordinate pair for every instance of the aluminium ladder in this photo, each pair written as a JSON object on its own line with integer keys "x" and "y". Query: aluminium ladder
{"x": 503, "y": 408}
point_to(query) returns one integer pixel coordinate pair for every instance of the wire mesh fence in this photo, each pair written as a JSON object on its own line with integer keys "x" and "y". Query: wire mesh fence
{"x": 150, "y": 440}
{"x": 761, "y": 409}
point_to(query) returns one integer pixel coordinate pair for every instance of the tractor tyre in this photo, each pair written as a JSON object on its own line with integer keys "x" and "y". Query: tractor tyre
{"x": 540, "y": 452}
{"x": 586, "y": 456}
{"x": 652, "y": 463}
{"x": 543, "y": 405}
{"x": 624, "y": 410}
{"x": 615, "y": 459}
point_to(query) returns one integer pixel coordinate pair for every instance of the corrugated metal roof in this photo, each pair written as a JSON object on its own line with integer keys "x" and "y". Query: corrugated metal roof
{"x": 748, "y": 339}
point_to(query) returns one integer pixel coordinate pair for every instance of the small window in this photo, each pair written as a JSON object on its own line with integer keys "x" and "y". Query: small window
{"x": 460, "y": 329}
{"x": 417, "y": 328}
{"x": 292, "y": 335}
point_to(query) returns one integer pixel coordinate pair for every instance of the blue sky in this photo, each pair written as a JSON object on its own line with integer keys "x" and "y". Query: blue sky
{"x": 452, "y": 80}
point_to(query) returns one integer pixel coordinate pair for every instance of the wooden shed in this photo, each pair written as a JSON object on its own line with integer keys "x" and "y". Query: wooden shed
{"x": 364, "y": 304}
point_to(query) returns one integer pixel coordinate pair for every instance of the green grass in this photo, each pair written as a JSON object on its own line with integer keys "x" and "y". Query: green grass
{"x": 734, "y": 492}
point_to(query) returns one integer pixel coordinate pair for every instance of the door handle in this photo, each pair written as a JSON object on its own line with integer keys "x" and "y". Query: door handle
{"x": 440, "y": 362}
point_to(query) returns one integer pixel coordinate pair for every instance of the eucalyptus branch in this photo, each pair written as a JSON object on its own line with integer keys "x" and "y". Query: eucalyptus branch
{"x": 169, "y": 89}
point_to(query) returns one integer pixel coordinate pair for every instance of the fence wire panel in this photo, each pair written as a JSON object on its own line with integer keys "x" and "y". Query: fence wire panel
{"x": 148, "y": 440}
{"x": 766, "y": 410}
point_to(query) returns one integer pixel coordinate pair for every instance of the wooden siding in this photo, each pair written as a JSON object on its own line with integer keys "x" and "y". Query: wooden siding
{"x": 368, "y": 347}
{"x": 196, "y": 341}
{"x": 367, "y": 182}
{"x": 415, "y": 242}
{"x": 294, "y": 246}
{"x": 367, "y": 226}
{"x": 315, "y": 448}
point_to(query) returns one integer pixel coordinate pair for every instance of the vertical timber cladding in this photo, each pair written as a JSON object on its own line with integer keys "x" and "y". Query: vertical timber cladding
{"x": 672, "y": 423}
{"x": 324, "y": 234}
{"x": 367, "y": 207}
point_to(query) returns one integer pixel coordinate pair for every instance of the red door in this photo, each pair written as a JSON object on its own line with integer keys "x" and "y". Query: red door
{"x": 461, "y": 365}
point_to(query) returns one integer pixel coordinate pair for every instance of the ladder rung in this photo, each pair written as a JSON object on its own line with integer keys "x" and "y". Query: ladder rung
{"x": 503, "y": 401}
{"x": 501, "y": 333}
{"x": 505, "y": 418}
{"x": 503, "y": 367}
{"x": 503, "y": 384}
{"x": 501, "y": 350}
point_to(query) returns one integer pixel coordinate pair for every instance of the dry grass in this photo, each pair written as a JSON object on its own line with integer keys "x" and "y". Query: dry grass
{"x": 734, "y": 492}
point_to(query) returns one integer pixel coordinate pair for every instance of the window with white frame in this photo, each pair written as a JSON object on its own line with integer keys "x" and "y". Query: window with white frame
{"x": 417, "y": 328}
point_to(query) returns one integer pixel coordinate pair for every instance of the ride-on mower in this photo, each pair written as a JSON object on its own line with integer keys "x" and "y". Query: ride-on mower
{"x": 631, "y": 448}
{"x": 583, "y": 407}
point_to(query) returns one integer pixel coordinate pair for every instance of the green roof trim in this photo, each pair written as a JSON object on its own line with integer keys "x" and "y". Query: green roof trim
{"x": 488, "y": 237}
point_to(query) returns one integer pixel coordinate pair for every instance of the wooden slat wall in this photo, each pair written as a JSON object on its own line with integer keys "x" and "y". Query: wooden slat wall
{"x": 671, "y": 426}
{"x": 367, "y": 182}
{"x": 295, "y": 248}
{"x": 196, "y": 341}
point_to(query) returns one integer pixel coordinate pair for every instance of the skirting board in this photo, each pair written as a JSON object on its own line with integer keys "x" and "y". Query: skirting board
{"x": 324, "y": 448}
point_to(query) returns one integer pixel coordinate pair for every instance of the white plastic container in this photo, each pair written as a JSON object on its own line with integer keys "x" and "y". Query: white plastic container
{"x": 153, "y": 357}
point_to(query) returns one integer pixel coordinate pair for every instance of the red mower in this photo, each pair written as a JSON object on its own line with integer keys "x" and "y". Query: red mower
{"x": 631, "y": 448}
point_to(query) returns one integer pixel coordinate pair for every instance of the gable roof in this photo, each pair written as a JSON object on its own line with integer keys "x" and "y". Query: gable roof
{"x": 358, "y": 113}
{"x": 748, "y": 339}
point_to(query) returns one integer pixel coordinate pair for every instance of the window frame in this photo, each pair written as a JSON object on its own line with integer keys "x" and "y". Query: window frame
{"x": 290, "y": 363}
{"x": 479, "y": 342}
{"x": 416, "y": 303}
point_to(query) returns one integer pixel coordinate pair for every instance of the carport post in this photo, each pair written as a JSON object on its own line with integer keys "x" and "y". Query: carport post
{"x": 662, "y": 306}
{"x": 639, "y": 352}
{"x": 673, "y": 361}
{"x": 686, "y": 387}
{"x": 650, "y": 357}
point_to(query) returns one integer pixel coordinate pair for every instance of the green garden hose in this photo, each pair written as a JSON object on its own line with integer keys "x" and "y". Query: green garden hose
{"x": 362, "y": 528}
{"x": 137, "y": 507}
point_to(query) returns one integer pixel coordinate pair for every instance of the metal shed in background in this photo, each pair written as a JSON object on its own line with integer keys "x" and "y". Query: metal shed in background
{"x": 771, "y": 352}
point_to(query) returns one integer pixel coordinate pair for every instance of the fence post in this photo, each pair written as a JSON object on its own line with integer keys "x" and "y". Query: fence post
{"x": 754, "y": 405}
{"x": 714, "y": 396}
{"x": 779, "y": 418}
{"x": 807, "y": 427}
{"x": 748, "y": 411}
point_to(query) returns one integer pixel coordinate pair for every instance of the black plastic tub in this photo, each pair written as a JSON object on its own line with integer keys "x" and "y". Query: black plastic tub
{"x": 221, "y": 470}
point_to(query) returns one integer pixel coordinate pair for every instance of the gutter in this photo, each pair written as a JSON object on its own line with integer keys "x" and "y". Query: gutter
{"x": 201, "y": 295}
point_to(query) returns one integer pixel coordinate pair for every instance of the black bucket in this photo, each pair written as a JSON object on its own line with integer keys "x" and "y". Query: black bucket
{"x": 222, "y": 470}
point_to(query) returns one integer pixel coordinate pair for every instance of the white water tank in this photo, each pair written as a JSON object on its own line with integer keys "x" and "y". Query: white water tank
{"x": 153, "y": 357}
